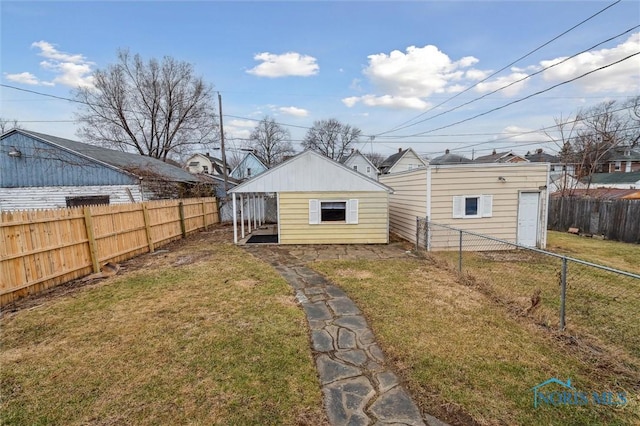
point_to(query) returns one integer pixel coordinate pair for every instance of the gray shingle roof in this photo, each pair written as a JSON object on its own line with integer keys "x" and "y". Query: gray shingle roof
{"x": 604, "y": 178}
{"x": 126, "y": 161}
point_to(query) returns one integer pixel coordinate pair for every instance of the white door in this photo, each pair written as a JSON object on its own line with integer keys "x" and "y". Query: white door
{"x": 528, "y": 210}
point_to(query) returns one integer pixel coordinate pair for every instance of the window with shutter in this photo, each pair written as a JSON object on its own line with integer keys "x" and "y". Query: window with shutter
{"x": 472, "y": 206}
{"x": 352, "y": 211}
{"x": 314, "y": 212}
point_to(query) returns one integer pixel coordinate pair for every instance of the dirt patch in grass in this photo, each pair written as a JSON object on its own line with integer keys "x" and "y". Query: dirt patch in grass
{"x": 162, "y": 343}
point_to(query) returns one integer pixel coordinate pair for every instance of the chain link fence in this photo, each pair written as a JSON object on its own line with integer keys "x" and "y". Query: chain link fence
{"x": 581, "y": 298}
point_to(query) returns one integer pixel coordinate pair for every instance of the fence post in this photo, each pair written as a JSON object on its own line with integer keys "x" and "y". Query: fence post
{"x": 183, "y": 228}
{"x": 147, "y": 227}
{"x": 93, "y": 248}
{"x": 204, "y": 215}
{"x": 417, "y": 232}
{"x": 563, "y": 292}
{"x": 460, "y": 254}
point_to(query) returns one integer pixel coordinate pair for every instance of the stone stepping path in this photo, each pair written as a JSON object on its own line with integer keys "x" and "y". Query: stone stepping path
{"x": 358, "y": 388}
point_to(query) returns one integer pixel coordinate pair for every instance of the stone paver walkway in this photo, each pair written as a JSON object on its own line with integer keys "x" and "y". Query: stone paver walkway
{"x": 358, "y": 388}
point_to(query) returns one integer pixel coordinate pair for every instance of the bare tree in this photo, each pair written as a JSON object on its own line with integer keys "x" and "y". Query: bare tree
{"x": 633, "y": 123}
{"x": 331, "y": 138}
{"x": 271, "y": 142}
{"x": 7, "y": 124}
{"x": 154, "y": 108}
{"x": 375, "y": 157}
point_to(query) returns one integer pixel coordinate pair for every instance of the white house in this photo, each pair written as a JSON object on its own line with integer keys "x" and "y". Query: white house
{"x": 361, "y": 164}
{"x": 204, "y": 163}
{"x": 401, "y": 161}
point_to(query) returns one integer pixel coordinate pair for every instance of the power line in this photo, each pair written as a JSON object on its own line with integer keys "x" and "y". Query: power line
{"x": 505, "y": 67}
{"x": 520, "y": 80}
{"x": 529, "y": 96}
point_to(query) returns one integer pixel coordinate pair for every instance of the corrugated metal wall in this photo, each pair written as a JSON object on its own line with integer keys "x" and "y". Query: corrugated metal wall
{"x": 43, "y": 165}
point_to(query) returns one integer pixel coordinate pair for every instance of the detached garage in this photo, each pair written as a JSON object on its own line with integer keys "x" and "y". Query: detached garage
{"x": 319, "y": 201}
{"x": 505, "y": 201}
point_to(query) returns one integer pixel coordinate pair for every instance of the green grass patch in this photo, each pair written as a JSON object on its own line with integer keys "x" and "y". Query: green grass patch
{"x": 219, "y": 340}
{"x": 465, "y": 357}
{"x": 614, "y": 254}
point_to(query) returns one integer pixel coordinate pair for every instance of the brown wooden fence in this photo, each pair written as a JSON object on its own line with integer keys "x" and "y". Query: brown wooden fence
{"x": 615, "y": 219}
{"x": 44, "y": 248}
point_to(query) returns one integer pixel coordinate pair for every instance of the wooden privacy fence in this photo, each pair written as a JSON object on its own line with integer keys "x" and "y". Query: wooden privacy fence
{"x": 44, "y": 248}
{"x": 615, "y": 219}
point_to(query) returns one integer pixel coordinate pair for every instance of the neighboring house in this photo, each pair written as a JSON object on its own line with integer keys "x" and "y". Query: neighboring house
{"x": 401, "y": 161}
{"x": 250, "y": 166}
{"x": 622, "y": 159}
{"x": 505, "y": 201}
{"x": 561, "y": 175}
{"x": 39, "y": 171}
{"x": 204, "y": 163}
{"x": 501, "y": 157}
{"x": 449, "y": 158}
{"x": 320, "y": 201}
{"x": 361, "y": 164}
{"x": 613, "y": 180}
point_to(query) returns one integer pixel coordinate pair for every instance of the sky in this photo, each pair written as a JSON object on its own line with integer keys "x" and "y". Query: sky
{"x": 431, "y": 75}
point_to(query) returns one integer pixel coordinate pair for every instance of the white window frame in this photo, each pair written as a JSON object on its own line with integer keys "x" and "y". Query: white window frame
{"x": 355, "y": 167}
{"x": 368, "y": 169}
{"x": 351, "y": 212}
{"x": 485, "y": 206}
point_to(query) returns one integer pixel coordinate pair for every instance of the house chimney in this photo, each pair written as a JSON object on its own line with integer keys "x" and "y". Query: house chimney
{"x": 494, "y": 152}
{"x": 446, "y": 151}
{"x": 399, "y": 150}
{"x": 539, "y": 151}
{"x": 353, "y": 150}
{"x": 207, "y": 154}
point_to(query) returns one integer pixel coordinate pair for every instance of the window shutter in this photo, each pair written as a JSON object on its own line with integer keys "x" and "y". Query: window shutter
{"x": 314, "y": 212}
{"x": 352, "y": 211}
{"x": 487, "y": 205}
{"x": 458, "y": 206}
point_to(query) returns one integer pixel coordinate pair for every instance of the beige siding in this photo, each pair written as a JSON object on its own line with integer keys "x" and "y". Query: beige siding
{"x": 372, "y": 227}
{"x": 480, "y": 180}
{"x": 409, "y": 161}
{"x": 408, "y": 201}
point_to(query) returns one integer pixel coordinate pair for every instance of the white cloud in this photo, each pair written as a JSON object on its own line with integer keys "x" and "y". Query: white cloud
{"x": 296, "y": 112}
{"x": 420, "y": 72}
{"x": 48, "y": 50}
{"x": 23, "y": 78}
{"x": 622, "y": 77}
{"x": 407, "y": 79}
{"x": 397, "y": 102}
{"x": 71, "y": 70}
{"x": 498, "y": 83}
{"x": 284, "y": 65}
{"x": 242, "y": 123}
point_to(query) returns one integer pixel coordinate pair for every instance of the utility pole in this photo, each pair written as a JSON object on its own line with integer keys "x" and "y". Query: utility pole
{"x": 224, "y": 156}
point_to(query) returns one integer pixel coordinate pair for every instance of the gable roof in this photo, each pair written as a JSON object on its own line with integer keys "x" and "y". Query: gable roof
{"x": 356, "y": 153}
{"x": 623, "y": 153}
{"x": 394, "y": 158}
{"x": 497, "y": 157}
{"x": 133, "y": 164}
{"x": 216, "y": 163}
{"x": 250, "y": 154}
{"x": 542, "y": 157}
{"x": 310, "y": 171}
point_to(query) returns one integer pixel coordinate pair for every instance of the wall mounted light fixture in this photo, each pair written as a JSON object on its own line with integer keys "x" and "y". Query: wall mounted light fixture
{"x": 14, "y": 152}
{"x": 502, "y": 179}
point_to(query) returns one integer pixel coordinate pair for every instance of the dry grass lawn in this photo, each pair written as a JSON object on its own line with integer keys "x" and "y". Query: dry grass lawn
{"x": 202, "y": 334}
{"x": 466, "y": 358}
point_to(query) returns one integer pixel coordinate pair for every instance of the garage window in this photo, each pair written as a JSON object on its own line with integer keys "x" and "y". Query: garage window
{"x": 472, "y": 206}
{"x": 333, "y": 211}
{"x": 87, "y": 200}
